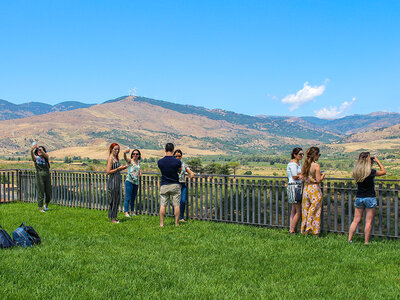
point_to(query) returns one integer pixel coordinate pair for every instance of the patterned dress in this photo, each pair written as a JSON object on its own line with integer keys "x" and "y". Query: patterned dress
{"x": 311, "y": 206}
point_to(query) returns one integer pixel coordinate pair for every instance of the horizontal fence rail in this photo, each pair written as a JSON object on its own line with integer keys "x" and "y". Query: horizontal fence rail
{"x": 252, "y": 200}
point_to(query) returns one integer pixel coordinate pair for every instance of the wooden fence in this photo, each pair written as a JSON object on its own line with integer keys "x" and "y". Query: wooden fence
{"x": 252, "y": 200}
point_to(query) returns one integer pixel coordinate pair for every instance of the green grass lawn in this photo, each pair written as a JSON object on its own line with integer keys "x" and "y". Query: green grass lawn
{"x": 83, "y": 255}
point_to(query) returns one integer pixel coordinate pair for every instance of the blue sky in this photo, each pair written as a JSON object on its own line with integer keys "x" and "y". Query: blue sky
{"x": 300, "y": 58}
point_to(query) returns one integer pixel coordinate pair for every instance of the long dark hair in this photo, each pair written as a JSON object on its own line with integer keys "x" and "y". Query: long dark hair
{"x": 296, "y": 151}
{"x": 312, "y": 154}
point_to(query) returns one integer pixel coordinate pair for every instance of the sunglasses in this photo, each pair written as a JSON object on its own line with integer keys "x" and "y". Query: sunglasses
{"x": 178, "y": 155}
{"x": 134, "y": 153}
{"x": 300, "y": 154}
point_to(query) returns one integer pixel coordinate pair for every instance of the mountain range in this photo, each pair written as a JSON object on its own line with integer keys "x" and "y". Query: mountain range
{"x": 9, "y": 111}
{"x": 74, "y": 127}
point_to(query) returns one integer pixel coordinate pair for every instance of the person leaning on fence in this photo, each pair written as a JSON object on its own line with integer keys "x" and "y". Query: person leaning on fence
{"x": 169, "y": 186}
{"x": 185, "y": 170}
{"x": 132, "y": 181}
{"x": 43, "y": 179}
{"x": 294, "y": 187}
{"x": 365, "y": 196}
{"x": 114, "y": 181}
{"x": 312, "y": 195}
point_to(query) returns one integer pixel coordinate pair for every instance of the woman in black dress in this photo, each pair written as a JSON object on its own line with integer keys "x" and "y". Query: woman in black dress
{"x": 114, "y": 181}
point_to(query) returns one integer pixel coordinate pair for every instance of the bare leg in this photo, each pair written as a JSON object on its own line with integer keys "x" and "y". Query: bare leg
{"x": 292, "y": 213}
{"x": 162, "y": 214}
{"x": 177, "y": 212}
{"x": 368, "y": 222}
{"x": 296, "y": 216}
{"x": 357, "y": 218}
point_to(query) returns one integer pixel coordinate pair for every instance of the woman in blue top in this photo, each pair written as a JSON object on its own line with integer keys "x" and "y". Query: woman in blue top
{"x": 184, "y": 171}
{"x": 365, "y": 197}
{"x": 132, "y": 181}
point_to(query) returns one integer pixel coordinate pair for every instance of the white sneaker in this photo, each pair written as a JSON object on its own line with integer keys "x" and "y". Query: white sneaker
{"x": 46, "y": 208}
{"x": 127, "y": 215}
{"x": 41, "y": 210}
{"x": 133, "y": 214}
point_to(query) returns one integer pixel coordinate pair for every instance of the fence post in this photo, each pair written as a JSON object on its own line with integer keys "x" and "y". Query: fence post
{"x": 396, "y": 210}
{"x": 225, "y": 198}
{"x": 322, "y": 207}
{"x": 19, "y": 185}
{"x": 90, "y": 190}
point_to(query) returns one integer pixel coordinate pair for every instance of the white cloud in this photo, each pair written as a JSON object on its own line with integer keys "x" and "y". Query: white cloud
{"x": 334, "y": 112}
{"x": 307, "y": 93}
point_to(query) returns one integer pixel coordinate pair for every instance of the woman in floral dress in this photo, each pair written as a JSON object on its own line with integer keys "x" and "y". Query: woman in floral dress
{"x": 312, "y": 195}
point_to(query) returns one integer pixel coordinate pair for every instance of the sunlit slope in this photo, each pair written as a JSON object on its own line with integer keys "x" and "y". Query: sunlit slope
{"x": 149, "y": 126}
{"x": 377, "y": 139}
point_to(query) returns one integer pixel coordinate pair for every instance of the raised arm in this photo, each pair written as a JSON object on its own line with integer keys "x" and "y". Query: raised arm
{"x": 33, "y": 154}
{"x": 382, "y": 170}
{"x": 127, "y": 159}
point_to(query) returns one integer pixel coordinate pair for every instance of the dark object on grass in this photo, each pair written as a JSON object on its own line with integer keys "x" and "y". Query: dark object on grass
{"x": 26, "y": 236}
{"x": 21, "y": 237}
{"x": 33, "y": 235}
{"x": 5, "y": 239}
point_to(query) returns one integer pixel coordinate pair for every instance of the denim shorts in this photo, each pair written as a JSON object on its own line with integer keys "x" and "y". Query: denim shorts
{"x": 365, "y": 202}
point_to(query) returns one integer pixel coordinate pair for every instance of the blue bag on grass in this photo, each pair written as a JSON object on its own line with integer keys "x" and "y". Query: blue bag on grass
{"x": 21, "y": 237}
{"x": 5, "y": 239}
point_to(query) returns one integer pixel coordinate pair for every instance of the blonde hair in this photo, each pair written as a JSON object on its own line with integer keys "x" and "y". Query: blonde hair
{"x": 311, "y": 156}
{"x": 362, "y": 169}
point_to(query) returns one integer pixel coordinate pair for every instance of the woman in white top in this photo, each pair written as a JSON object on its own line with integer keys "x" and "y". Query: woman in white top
{"x": 294, "y": 187}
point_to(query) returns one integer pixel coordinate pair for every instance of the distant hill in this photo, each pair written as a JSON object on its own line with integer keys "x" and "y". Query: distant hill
{"x": 69, "y": 105}
{"x": 10, "y": 111}
{"x": 388, "y": 133}
{"x": 281, "y": 126}
{"x": 382, "y": 140}
{"x": 356, "y": 123}
{"x": 149, "y": 123}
